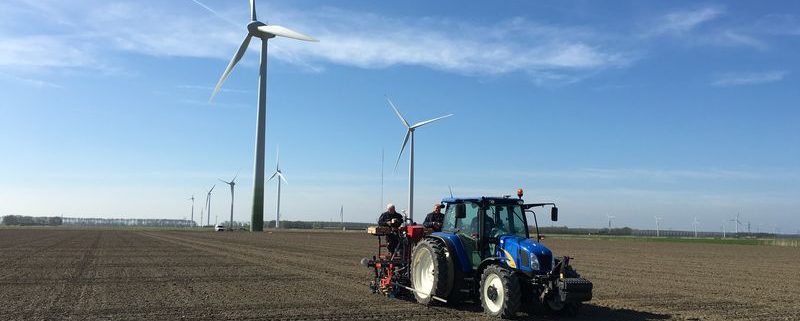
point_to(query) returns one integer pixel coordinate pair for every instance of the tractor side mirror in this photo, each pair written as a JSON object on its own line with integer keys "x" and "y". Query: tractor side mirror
{"x": 554, "y": 214}
{"x": 461, "y": 210}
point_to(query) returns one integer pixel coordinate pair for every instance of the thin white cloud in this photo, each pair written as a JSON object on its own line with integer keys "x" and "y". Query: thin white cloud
{"x": 43, "y": 51}
{"x": 779, "y": 24}
{"x": 210, "y": 89}
{"x": 748, "y": 78}
{"x": 654, "y": 175}
{"x": 359, "y": 39}
{"x": 685, "y": 20}
{"x": 30, "y": 81}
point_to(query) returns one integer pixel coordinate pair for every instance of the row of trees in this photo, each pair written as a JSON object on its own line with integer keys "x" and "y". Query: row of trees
{"x": 122, "y": 222}
{"x": 31, "y": 220}
{"x": 22, "y": 220}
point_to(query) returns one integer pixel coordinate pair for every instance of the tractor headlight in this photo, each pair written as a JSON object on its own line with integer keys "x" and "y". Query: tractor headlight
{"x": 534, "y": 262}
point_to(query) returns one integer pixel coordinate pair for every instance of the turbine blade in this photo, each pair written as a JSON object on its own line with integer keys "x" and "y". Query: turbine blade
{"x": 229, "y": 69}
{"x": 212, "y": 188}
{"x": 222, "y": 180}
{"x": 273, "y": 176}
{"x": 277, "y": 158}
{"x": 420, "y": 124}
{"x": 283, "y": 178}
{"x": 235, "y": 176}
{"x": 405, "y": 141}
{"x": 397, "y": 112}
{"x": 253, "y": 10}
{"x": 285, "y": 32}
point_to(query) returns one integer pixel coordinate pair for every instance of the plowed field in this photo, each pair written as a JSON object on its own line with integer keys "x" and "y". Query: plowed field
{"x": 153, "y": 275}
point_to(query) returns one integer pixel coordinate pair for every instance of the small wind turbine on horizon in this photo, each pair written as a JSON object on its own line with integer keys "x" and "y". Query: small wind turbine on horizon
{"x": 695, "y": 223}
{"x": 264, "y": 32}
{"x": 610, "y": 217}
{"x": 410, "y": 134}
{"x": 192, "y": 199}
{"x": 658, "y": 225}
{"x": 278, "y": 174}
{"x": 232, "y": 183}
{"x": 341, "y": 216}
{"x": 208, "y": 207}
{"x": 736, "y": 223}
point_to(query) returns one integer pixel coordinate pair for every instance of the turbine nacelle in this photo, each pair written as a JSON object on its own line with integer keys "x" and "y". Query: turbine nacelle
{"x": 252, "y": 29}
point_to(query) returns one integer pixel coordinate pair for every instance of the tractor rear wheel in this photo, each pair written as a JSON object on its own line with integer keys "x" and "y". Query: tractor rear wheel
{"x": 500, "y": 292}
{"x": 429, "y": 271}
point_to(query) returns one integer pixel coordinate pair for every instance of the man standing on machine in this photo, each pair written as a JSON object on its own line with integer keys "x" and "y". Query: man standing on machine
{"x": 391, "y": 219}
{"x": 434, "y": 219}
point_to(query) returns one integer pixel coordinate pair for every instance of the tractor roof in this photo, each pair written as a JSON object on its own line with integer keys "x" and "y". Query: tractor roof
{"x": 461, "y": 199}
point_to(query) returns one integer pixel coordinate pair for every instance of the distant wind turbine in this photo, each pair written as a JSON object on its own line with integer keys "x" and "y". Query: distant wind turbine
{"x": 278, "y": 174}
{"x": 695, "y": 223}
{"x": 410, "y": 134}
{"x": 265, "y": 32}
{"x": 610, "y": 217}
{"x": 736, "y": 223}
{"x": 658, "y": 225}
{"x": 341, "y": 216}
{"x": 232, "y": 183}
{"x": 192, "y": 199}
{"x": 208, "y": 206}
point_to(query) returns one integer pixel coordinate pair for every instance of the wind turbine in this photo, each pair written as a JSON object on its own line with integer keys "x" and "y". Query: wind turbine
{"x": 264, "y": 32}
{"x": 610, "y": 217}
{"x": 410, "y": 133}
{"x": 278, "y": 174}
{"x": 232, "y": 183}
{"x": 658, "y": 225}
{"x": 695, "y": 223}
{"x": 341, "y": 217}
{"x": 192, "y": 199}
{"x": 208, "y": 206}
{"x": 736, "y": 223}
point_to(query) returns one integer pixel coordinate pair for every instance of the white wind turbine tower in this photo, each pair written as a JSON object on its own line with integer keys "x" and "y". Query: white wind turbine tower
{"x": 232, "y": 183}
{"x": 694, "y": 224}
{"x": 264, "y": 32}
{"x": 208, "y": 206}
{"x": 341, "y": 217}
{"x": 658, "y": 225}
{"x": 410, "y": 133}
{"x": 192, "y": 199}
{"x": 610, "y": 217}
{"x": 736, "y": 223}
{"x": 278, "y": 174}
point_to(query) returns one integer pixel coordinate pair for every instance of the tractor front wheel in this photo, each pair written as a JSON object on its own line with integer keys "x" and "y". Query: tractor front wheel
{"x": 500, "y": 292}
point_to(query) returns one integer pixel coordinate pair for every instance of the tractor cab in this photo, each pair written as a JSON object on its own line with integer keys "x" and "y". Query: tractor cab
{"x": 496, "y": 229}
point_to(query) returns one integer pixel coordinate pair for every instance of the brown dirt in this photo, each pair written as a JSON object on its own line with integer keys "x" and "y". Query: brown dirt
{"x": 133, "y": 275}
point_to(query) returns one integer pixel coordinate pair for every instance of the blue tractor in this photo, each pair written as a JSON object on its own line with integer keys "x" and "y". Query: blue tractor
{"x": 485, "y": 252}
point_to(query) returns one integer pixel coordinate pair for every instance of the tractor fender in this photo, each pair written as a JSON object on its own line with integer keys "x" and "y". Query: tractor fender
{"x": 454, "y": 247}
{"x": 489, "y": 261}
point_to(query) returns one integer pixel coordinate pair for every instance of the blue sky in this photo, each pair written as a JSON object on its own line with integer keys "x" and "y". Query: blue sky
{"x": 634, "y": 109}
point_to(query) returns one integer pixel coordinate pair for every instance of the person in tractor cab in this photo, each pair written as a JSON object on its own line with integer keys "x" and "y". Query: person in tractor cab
{"x": 391, "y": 219}
{"x": 434, "y": 219}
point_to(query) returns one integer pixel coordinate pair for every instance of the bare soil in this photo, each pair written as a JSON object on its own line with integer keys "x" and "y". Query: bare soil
{"x": 51, "y": 274}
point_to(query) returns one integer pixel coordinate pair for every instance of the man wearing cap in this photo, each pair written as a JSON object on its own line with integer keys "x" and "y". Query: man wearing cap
{"x": 434, "y": 219}
{"x": 391, "y": 219}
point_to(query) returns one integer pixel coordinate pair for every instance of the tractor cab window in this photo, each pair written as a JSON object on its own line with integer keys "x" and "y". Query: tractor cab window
{"x": 508, "y": 220}
{"x": 449, "y": 223}
{"x": 467, "y": 225}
